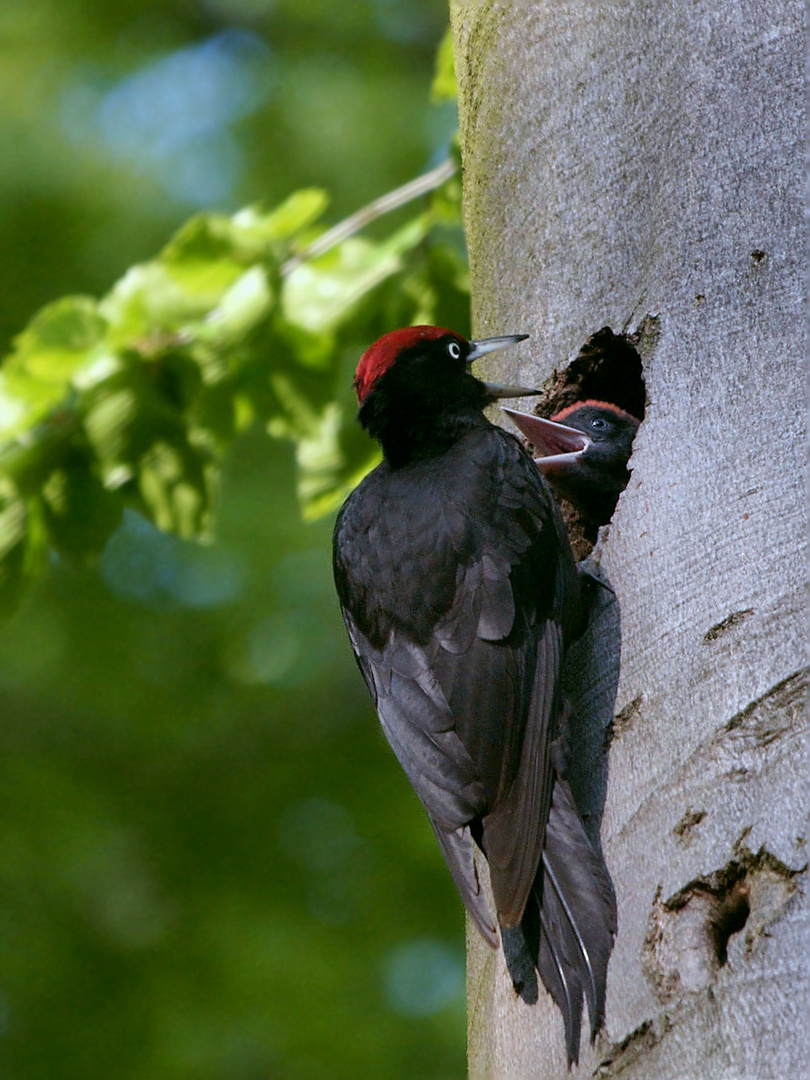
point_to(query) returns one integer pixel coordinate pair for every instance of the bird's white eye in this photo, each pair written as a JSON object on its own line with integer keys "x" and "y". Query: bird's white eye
{"x": 454, "y": 350}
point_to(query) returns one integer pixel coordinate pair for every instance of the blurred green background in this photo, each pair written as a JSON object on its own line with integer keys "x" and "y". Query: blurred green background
{"x": 211, "y": 865}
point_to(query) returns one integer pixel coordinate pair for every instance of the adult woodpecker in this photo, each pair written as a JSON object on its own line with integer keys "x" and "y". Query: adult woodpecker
{"x": 459, "y": 592}
{"x": 584, "y": 453}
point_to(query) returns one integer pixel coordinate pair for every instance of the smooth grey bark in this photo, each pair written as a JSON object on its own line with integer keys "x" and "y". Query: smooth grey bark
{"x": 642, "y": 158}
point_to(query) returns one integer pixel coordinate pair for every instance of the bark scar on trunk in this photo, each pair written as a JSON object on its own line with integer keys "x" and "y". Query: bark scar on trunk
{"x": 688, "y": 934}
{"x": 734, "y": 619}
{"x": 690, "y": 820}
{"x": 633, "y": 1047}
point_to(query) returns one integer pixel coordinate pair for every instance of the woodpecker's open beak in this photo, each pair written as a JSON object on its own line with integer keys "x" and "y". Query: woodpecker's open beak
{"x": 479, "y": 348}
{"x": 558, "y": 444}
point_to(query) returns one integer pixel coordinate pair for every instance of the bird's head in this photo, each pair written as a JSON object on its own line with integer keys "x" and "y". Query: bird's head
{"x": 412, "y": 383}
{"x": 427, "y": 356}
{"x": 584, "y": 451}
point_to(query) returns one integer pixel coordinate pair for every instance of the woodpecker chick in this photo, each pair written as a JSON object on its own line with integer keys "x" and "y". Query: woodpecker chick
{"x": 460, "y": 593}
{"x": 584, "y": 453}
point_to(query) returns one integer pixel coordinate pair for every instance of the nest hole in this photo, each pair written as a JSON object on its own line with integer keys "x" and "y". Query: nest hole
{"x": 607, "y": 368}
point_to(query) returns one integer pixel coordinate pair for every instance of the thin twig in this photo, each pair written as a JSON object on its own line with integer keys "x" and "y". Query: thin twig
{"x": 384, "y": 205}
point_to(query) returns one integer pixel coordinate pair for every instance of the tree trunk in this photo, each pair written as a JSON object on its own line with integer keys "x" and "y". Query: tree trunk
{"x": 637, "y": 165}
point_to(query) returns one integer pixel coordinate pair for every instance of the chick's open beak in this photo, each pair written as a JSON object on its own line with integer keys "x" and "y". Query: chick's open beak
{"x": 559, "y": 445}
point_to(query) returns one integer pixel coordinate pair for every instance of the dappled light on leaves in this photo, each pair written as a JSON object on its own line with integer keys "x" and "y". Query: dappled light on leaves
{"x": 143, "y": 392}
{"x": 209, "y": 857}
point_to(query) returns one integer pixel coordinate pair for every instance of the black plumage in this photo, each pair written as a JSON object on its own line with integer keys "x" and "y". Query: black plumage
{"x": 460, "y": 593}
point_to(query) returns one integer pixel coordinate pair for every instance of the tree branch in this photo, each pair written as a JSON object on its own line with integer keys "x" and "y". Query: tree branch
{"x": 365, "y": 215}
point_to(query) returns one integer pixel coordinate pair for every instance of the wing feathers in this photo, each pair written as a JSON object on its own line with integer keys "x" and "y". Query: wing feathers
{"x": 513, "y": 831}
{"x": 431, "y": 753}
{"x": 497, "y": 602}
{"x": 456, "y": 631}
{"x": 457, "y": 848}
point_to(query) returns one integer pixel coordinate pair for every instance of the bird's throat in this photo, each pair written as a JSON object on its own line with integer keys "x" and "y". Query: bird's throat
{"x": 412, "y": 427}
{"x": 417, "y": 438}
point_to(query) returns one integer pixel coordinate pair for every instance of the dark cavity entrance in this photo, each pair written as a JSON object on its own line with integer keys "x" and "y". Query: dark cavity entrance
{"x": 607, "y": 368}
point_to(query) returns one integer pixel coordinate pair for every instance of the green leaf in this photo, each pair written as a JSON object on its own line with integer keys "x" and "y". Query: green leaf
{"x": 245, "y": 303}
{"x": 109, "y": 417}
{"x": 13, "y": 520}
{"x": 305, "y": 347}
{"x": 29, "y": 459}
{"x": 296, "y": 213}
{"x": 174, "y": 489}
{"x": 153, "y": 299}
{"x": 204, "y": 238}
{"x": 23, "y": 545}
{"x": 79, "y": 512}
{"x": 64, "y": 337}
{"x": 58, "y": 339}
{"x": 324, "y": 480}
{"x": 127, "y": 417}
{"x": 136, "y": 398}
{"x": 444, "y": 86}
{"x": 318, "y": 295}
{"x": 249, "y": 236}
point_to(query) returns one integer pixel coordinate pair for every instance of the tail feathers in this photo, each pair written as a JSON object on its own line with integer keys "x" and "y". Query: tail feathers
{"x": 559, "y": 970}
{"x": 570, "y": 920}
{"x": 578, "y": 877}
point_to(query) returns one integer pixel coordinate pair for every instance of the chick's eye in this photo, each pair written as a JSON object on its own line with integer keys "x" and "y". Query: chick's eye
{"x": 454, "y": 350}
{"x": 598, "y": 422}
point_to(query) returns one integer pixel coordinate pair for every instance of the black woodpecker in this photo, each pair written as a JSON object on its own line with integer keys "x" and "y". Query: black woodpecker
{"x": 460, "y": 594}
